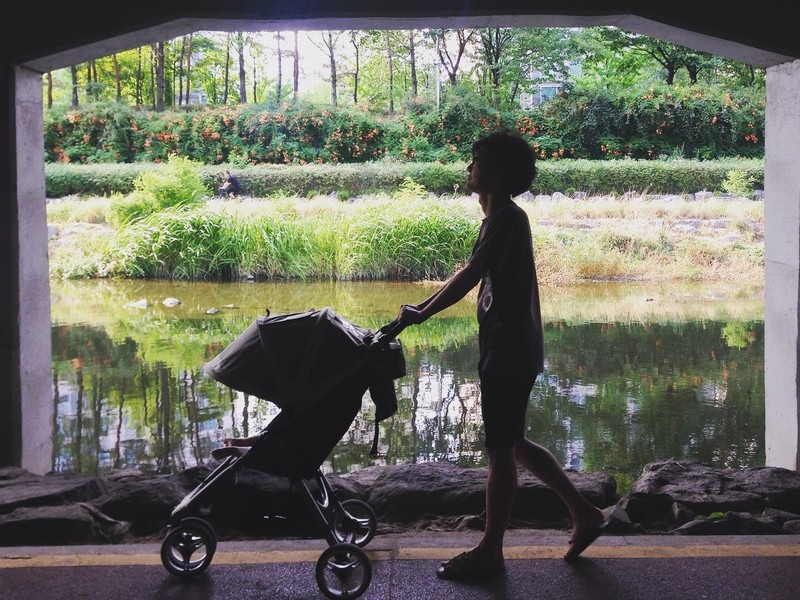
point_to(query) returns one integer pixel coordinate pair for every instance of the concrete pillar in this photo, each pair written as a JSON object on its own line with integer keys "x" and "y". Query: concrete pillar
{"x": 31, "y": 320}
{"x": 782, "y": 268}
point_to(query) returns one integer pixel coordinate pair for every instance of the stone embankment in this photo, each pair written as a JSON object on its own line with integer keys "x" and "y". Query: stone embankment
{"x": 671, "y": 497}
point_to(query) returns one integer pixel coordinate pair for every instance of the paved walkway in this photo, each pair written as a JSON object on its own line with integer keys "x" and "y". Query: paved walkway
{"x": 615, "y": 567}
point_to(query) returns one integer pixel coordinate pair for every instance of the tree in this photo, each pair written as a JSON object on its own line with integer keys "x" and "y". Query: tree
{"x": 279, "y": 54}
{"x": 74, "y": 72}
{"x": 329, "y": 44}
{"x": 356, "y": 38}
{"x": 451, "y": 52}
{"x": 227, "y": 69}
{"x": 240, "y": 46}
{"x": 494, "y": 43}
{"x": 180, "y": 73}
{"x": 158, "y": 97}
{"x": 390, "y": 67}
{"x": 296, "y": 68}
{"x": 189, "y": 68}
{"x": 670, "y": 57}
{"x": 412, "y": 59}
{"x": 117, "y": 79}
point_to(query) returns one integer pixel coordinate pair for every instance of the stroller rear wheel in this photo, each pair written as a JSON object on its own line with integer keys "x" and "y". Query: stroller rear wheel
{"x": 343, "y": 571}
{"x": 189, "y": 547}
{"x": 358, "y": 526}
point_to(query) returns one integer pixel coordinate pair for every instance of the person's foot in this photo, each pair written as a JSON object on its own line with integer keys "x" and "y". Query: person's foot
{"x": 584, "y": 533}
{"x": 472, "y": 564}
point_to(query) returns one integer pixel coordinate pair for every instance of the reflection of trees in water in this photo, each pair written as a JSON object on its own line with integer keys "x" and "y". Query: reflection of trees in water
{"x": 613, "y": 396}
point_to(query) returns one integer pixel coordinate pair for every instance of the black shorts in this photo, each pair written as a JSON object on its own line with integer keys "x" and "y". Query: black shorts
{"x": 504, "y": 401}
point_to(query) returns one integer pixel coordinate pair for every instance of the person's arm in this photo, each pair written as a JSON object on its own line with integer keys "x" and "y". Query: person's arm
{"x": 451, "y": 292}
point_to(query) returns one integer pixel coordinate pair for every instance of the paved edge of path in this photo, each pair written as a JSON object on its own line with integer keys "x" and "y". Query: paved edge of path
{"x": 520, "y": 545}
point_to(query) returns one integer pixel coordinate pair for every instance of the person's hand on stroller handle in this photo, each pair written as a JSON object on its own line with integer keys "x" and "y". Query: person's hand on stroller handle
{"x": 411, "y": 314}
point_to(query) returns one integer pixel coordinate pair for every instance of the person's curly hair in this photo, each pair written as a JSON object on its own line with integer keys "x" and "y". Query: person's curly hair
{"x": 507, "y": 161}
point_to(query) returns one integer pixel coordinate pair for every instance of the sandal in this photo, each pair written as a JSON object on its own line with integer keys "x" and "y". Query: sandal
{"x": 582, "y": 541}
{"x": 467, "y": 565}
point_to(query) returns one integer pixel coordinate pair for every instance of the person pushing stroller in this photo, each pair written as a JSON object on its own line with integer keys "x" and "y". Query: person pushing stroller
{"x": 511, "y": 347}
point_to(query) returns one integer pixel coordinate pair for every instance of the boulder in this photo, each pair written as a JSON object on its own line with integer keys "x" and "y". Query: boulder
{"x": 704, "y": 490}
{"x": 59, "y": 525}
{"x": 146, "y": 503}
{"x": 408, "y": 493}
{"x": 19, "y": 488}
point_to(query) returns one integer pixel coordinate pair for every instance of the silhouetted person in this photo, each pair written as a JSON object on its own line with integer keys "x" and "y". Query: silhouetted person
{"x": 511, "y": 351}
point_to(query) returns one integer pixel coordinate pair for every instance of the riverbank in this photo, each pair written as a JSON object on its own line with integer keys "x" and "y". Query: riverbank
{"x": 634, "y": 238}
{"x": 678, "y": 497}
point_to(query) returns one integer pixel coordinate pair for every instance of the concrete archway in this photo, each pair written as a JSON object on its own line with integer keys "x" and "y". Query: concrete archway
{"x": 69, "y": 35}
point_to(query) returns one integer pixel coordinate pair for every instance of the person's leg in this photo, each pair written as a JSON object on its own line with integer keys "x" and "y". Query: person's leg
{"x": 501, "y": 490}
{"x": 540, "y": 461}
{"x": 486, "y": 557}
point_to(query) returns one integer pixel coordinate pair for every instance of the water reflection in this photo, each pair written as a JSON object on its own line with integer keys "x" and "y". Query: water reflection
{"x": 629, "y": 377}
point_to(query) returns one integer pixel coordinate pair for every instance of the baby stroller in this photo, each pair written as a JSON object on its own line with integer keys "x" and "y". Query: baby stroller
{"x": 315, "y": 366}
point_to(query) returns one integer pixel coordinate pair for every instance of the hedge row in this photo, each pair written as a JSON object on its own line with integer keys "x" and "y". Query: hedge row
{"x": 614, "y": 177}
{"x": 663, "y": 121}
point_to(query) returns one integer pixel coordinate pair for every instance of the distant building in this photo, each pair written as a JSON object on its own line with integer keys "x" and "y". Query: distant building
{"x": 197, "y": 97}
{"x": 542, "y": 89}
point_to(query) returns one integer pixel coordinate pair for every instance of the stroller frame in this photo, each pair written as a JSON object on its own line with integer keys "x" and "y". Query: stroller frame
{"x": 342, "y": 571}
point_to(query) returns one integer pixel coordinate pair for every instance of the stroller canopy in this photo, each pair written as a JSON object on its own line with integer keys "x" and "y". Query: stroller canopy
{"x": 293, "y": 360}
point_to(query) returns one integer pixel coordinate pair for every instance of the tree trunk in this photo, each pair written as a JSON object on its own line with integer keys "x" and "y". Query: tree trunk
{"x": 357, "y": 68}
{"x": 180, "y": 72}
{"x": 189, "y": 70}
{"x": 242, "y": 79}
{"x": 49, "y": 89}
{"x": 117, "y": 78}
{"x": 412, "y": 50}
{"x": 255, "y": 82}
{"x": 89, "y": 81}
{"x": 227, "y": 70}
{"x": 139, "y": 99}
{"x": 332, "y": 65}
{"x": 296, "y": 69}
{"x": 391, "y": 72}
{"x": 279, "y": 90}
{"x": 74, "y": 73}
{"x": 159, "y": 105}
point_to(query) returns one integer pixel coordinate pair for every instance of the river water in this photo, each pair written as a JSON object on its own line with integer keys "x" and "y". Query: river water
{"x": 633, "y": 373}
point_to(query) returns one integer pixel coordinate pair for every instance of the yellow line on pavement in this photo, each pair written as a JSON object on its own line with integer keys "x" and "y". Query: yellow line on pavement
{"x": 616, "y": 551}
{"x": 511, "y": 553}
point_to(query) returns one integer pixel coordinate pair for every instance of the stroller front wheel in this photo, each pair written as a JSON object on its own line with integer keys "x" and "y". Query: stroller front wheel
{"x": 343, "y": 571}
{"x": 359, "y": 524}
{"x": 189, "y": 547}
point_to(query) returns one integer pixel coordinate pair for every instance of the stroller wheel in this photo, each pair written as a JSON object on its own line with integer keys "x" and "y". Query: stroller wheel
{"x": 189, "y": 547}
{"x": 343, "y": 571}
{"x": 359, "y": 524}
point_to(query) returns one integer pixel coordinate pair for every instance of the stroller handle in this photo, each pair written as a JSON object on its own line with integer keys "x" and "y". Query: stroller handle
{"x": 389, "y": 331}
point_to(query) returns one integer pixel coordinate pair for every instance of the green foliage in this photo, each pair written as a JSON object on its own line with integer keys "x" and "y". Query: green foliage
{"x": 179, "y": 243}
{"x": 352, "y": 180}
{"x": 656, "y": 122}
{"x": 739, "y": 182}
{"x": 410, "y": 189}
{"x": 178, "y": 184}
{"x": 420, "y": 239}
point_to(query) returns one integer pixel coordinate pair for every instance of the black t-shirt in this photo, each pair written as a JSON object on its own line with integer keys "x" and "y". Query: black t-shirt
{"x": 234, "y": 186}
{"x": 509, "y": 315}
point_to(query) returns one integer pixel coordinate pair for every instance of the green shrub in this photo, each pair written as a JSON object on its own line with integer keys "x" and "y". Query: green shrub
{"x": 739, "y": 183}
{"x": 613, "y": 177}
{"x": 176, "y": 185}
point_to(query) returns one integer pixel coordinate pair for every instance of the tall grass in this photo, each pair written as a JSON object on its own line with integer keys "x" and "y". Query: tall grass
{"x": 383, "y": 238}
